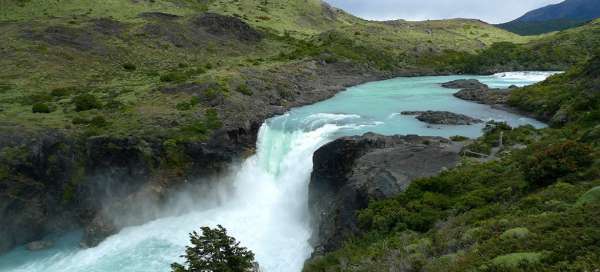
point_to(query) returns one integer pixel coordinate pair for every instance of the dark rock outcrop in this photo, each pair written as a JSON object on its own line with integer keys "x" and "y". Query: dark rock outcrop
{"x": 475, "y": 91}
{"x": 221, "y": 25}
{"x": 39, "y": 245}
{"x": 57, "y": 183}
{"x": 158, "y": 16}
{"x": 351, "y": 171}
{"x": 442, "y": 117}
{"x": 464, "y": 84}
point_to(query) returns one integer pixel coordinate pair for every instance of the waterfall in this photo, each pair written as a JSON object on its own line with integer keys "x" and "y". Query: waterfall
{"x": 263, "y": 201}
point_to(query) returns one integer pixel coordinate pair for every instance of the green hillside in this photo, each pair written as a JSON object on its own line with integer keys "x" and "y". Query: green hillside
{"x": 179, "y": 88}
{"x": 541, "y": 27}
{"x": 534, "y": 209}
{"x": 557, "y": 51}
{"x": 121, "y": 52}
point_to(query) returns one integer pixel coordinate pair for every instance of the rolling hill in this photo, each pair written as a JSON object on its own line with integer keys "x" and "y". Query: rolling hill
{"x": 568, "y": 14}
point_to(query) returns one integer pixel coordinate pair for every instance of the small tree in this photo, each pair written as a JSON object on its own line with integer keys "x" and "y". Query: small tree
{"x": 215, "y": 251}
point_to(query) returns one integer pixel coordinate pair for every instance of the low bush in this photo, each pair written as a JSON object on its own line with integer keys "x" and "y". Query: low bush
{"x": 62, "y": 92}
{"x": 129, "y": 67}
{"x": 547, "y": 163}
{"x": 85, "y": 102}
{"x": 40, "y": 108}
{"x": 176, "y": 77}
{"x": 244, "y": 89}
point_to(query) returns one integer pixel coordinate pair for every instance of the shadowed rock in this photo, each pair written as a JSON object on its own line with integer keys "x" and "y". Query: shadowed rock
{"x": 158, "y": 16}
{"x": 351, "y": 171}
{"x": 473, "y": 90}
{"x": 221, "y": 25}
{"x": 442, "y": 117}
{"x": 464, "y": 84}
{"x": 39, "y": 245}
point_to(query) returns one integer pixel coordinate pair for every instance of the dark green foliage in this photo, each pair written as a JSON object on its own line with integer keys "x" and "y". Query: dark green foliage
{"x": 564, "y": 98}
{"x": 129, "y": 67}
{"x": 556, "y": 53}
{"x": 333, "y": 46}
{"x": 36, "y": 98}
{"x": 244, "y": 89}
{"x": 458, "y": 138}
{"x": 533, "y": 209}
{"x": 548, "y": 162}
{"x": 176, "y": 77}
{"x": 540, "y": 27}
{"x": 212, "y": 119}
{"x": 99, "y": 121}
{"x": 184, "y": 106}
{"x": 40, "y": 108}
{"x": 62, "y": 92}
{"x": 85, "y": 102}
{"x": 215, "y": 251}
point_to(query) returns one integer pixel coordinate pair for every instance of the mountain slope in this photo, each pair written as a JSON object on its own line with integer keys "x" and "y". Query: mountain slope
{"x": 157, "y": 93}
{"x": 567, "y": 14}
{"x": 525, "y": 211}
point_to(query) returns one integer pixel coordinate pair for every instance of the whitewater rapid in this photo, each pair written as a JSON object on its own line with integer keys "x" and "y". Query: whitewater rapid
{"x": 263, "y": 201}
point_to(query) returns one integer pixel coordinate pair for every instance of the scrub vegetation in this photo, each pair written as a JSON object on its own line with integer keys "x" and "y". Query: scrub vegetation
{"x": 162, "y": 77}
{"x": 533, "y": 209}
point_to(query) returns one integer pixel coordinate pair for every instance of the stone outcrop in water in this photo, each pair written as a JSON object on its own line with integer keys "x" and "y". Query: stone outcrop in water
{"x": 351, "y": 171}
{"x": 442, "y": 117}
{"x": 473, "y": 90}
{"x": 39, "y": 245}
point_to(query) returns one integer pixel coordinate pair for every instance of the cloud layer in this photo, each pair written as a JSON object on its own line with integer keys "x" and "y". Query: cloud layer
{"x": 493, "y": 11}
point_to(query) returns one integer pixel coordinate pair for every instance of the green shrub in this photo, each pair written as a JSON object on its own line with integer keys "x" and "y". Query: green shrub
{"x": 40, "y": 108}
{"x": 183, "y": 106}
{"x": 98, "y": 121}
{"x": 459, "y": 138}
{"x": 244, "y": 89}
{"x": 212, "y": 119}
{"x": 36, "y": 98}
{"x": 85, "y": 102}
{"x": 80, "y": 121}
{"x": 174, "y": 77}
{"x": 515, "y": 260}
{"x": 129, "y": 67}
{"x": 591, "y": 196}
{"x": 214, "y": 250}
{"x": 515, "y": 233}
{"x": 545, "y": 164}
{"x": 61, "y": 92}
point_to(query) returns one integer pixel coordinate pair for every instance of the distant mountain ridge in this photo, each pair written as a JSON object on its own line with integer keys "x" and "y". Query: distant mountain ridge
{"x": 567, "y": 14}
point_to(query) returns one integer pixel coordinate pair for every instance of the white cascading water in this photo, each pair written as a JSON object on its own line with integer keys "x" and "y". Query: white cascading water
{"x": 265, "y": 208}
{"x": 263, "y": 202}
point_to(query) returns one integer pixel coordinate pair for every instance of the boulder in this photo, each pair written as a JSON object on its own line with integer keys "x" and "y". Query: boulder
{"x": 473, "y": 90}
{"x": 100, "y": 228}
{"x": 351, "y": 171}
{"x": 464, "y": 84}
{"x": 442, "y": 118}
{"x": 39, "y": 245}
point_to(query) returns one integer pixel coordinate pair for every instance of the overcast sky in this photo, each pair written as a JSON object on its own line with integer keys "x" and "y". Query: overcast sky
{"x": 492, "y": 11}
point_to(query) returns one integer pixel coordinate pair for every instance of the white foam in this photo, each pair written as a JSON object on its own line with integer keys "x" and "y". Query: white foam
{"x": 530, "y": 76}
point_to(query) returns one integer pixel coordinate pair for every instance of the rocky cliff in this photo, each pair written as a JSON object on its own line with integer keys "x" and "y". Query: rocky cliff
{"x": 351, "y": 171}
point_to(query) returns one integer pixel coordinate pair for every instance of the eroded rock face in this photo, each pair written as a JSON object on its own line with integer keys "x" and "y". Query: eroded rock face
{"x": 442, "y": 118}
{"x": 221, "y": 25}
{"x": 351, "y": 171}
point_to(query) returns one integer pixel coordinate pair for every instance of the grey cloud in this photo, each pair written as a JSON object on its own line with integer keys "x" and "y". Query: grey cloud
{"x": 493, "y": 11}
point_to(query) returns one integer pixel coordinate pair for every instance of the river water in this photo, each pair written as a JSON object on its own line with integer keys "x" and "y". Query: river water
{"x": 263, "y": 201}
